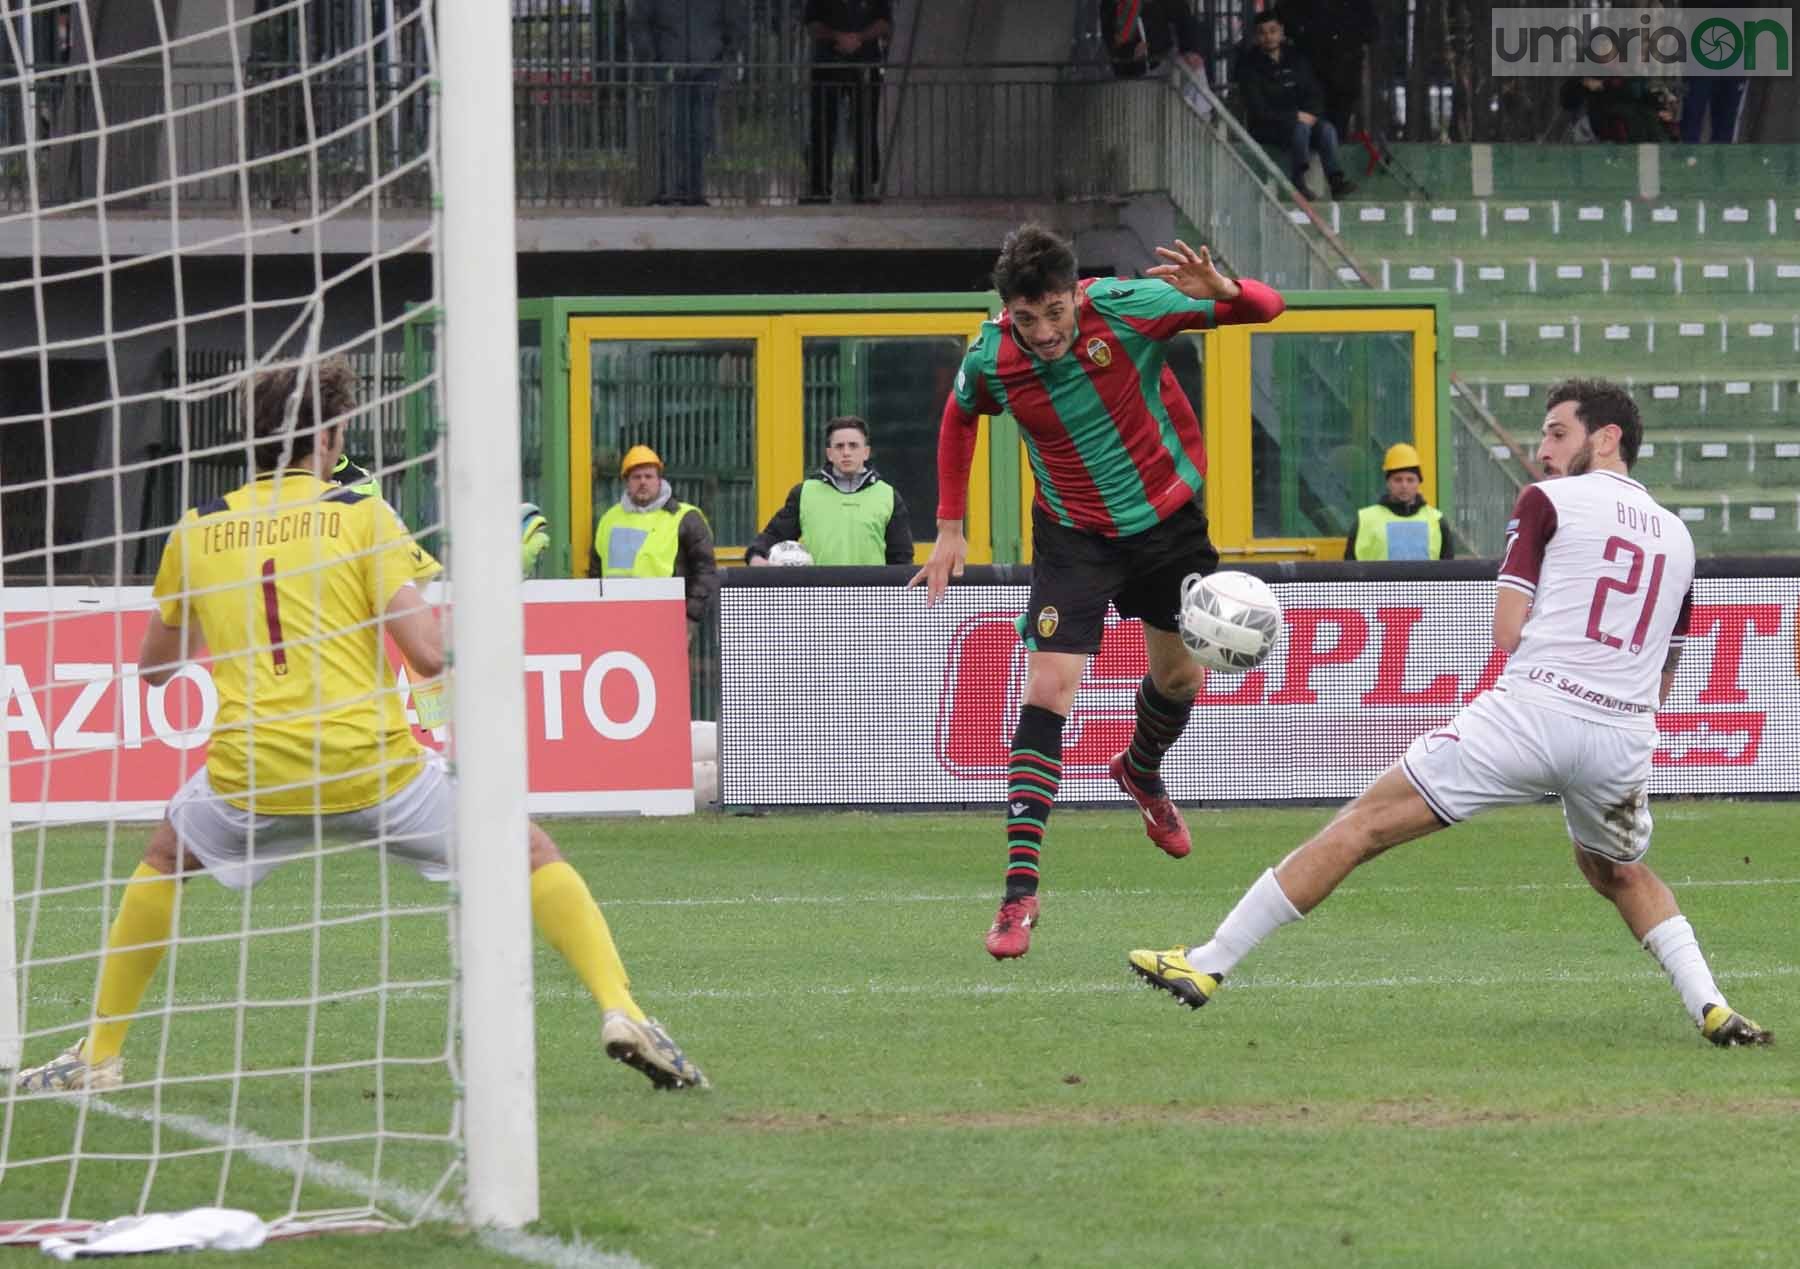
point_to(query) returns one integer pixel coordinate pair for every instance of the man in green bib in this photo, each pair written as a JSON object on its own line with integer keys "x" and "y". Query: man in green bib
{"x": 844, "y": 513}
{"x": 1402, "y": 526}
{"x": 648, "y": 533}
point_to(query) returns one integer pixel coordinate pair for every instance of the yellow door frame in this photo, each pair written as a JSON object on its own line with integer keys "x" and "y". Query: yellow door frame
{"x": 791, "y": 330}
{"x": 780, "y": 402}
{"x": 770, "y": 453}
{"x": 1228, "y": 485}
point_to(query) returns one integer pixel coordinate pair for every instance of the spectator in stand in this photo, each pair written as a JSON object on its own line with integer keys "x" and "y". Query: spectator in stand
{"x": 1624, "y": 109}
{"x": 649, "y": 533}
{"x": 849, "y": 46}
{"x": 844, "y": 513}
{"x": 1722, "y": 97}
{"x": 692, "y": 37}
{"x": 1143, "y": 33}
{"x": 1402, "y": 526}
{"x": 1335, "y": 36}
{"x": 1282, "y": 101}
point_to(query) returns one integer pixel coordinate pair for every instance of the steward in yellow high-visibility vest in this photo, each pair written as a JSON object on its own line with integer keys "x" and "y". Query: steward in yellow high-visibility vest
{"x": 844, "y": 513}
{"x": 647, "y": 533}
{"x": 1402, "y": 526}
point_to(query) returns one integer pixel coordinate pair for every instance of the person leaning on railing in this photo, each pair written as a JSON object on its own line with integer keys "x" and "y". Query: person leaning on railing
{"x": 849, "y": 47}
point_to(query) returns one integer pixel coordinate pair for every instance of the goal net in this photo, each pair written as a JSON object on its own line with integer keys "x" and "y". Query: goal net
{"x": 190, "y": 195}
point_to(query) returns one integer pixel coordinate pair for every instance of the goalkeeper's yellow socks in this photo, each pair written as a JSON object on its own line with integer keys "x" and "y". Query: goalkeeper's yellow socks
{"x": 134, "y": 949}
{"x": 568, "y": 917}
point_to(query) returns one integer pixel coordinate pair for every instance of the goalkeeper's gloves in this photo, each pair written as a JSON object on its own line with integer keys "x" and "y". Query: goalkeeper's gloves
{"x": 533, "y": 538}
{"x": 431, "y": 702}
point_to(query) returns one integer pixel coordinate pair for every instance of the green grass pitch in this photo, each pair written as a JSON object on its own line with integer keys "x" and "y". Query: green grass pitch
{"x": 1462, "y": 1058}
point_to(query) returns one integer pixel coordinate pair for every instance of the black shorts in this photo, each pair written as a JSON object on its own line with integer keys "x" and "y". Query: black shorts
{"x": 1075, "y": 574}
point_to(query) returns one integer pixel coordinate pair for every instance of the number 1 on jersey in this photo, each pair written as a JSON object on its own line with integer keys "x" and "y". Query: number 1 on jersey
{"x": 272, "y": 610}
{"x": 1618, "y": 548}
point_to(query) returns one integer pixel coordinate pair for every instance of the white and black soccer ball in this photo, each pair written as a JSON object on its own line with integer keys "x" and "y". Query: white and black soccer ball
{"x": 1230, "y": 621}
{"x": 789, "y": 553}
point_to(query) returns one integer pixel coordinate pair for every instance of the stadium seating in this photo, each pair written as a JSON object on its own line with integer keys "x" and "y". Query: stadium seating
{"x": 1691, "y": 298}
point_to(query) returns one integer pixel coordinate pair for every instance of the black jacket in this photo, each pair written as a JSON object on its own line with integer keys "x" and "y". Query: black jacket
{"x": 1163, "y": 26}
{"x": 1275, "y": 92}
{"x": 784, "y": 525}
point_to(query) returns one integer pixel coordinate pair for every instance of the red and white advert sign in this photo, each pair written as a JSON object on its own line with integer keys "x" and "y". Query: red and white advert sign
{"x": 872, "y": 698}
{"x": 606, "y": 703}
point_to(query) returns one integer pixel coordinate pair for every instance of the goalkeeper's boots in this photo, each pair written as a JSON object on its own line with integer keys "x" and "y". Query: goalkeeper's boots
{"x": 1162, "y": 822}
{"x": 69, "y": 1072}
{"x": 1729, "y": 1029}
{"x": 1010, "y": 934}
{"x": 646, "y": 1047}
{"x": 1171, "y": 972}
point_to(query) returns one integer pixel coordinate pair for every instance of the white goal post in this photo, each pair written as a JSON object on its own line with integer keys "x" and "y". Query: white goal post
{"x": 189, "y": 194}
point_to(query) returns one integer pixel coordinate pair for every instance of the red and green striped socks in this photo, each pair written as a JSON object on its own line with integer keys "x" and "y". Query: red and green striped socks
{"x": 1033, "y": 775}
{"x": 1159, "y": 724}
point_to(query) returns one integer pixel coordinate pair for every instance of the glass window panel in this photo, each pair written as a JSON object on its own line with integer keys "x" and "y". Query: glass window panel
{"x": 898, "y": 384}
{"x": 1323, "y": 409}
{"x": 693, "y": 401}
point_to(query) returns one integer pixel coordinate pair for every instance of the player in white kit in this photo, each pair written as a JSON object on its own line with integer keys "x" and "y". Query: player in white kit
{"x": 1592, "y": 604}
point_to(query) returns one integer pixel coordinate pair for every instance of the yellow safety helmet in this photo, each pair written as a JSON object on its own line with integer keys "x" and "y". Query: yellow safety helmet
{"x": 638, "y": 456}
{"x": 1399, "y": 458}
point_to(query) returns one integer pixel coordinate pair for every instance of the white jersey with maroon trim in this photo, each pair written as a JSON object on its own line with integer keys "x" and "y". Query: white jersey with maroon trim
{"x": 1610, "y": 574}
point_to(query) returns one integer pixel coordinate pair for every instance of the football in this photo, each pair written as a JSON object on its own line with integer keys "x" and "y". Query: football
{"x": 789, "y": 553}
{"x": 1230, "y": 621}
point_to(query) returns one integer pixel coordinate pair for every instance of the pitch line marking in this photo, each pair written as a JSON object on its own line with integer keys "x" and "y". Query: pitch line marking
{"x": 276, "y": 1156}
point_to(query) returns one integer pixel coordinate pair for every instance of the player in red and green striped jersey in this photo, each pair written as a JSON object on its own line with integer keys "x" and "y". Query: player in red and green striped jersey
{"x": 1117, "y": 452}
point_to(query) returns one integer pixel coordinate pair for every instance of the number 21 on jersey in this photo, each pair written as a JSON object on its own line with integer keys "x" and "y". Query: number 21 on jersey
{"x": 1617, "y": 549}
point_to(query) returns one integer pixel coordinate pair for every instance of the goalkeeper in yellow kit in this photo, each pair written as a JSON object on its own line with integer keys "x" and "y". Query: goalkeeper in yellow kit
{"x": 290, "y": 582}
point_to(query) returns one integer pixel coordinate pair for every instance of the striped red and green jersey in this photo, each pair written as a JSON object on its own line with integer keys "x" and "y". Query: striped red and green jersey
{"x": 1114, "y": 445}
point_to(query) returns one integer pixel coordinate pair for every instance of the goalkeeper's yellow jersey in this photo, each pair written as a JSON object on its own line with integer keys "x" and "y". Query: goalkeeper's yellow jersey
{"x": 285, "y": 578}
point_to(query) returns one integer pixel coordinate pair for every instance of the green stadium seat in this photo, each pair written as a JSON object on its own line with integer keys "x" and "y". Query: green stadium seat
{"x": 1373, "y": 227}
{"x": 1659, "y": 224}
{"x": 1547, "y": 341}
{"x": 1475, "y": 344}
{"x": 1641, "y": 279}
{"x": 1618, "y": 341}
{"x": 1730, "y": 276}
{"x": 1729, "y": 222}
{"x": 1777, "y": 277}
{"x": 1656, "y": 462}
{"x": 1767, "y": 524}
{"x": 1710, "y": 462}
{"x": 1401, "y": 274}
{"x": 1565, "y": 277}
{"x": 1756, "y": 343}
{"x": 1450, "y": 227}
{"x": 1775, "y": 460}
{"x": 1593, "y": 220}
{"x": 1486, "y": 279}
{"x": 1684, "y": 344}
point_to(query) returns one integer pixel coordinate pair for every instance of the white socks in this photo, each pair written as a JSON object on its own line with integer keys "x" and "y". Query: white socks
{"x": 1263, "y": 910}
{"x": 1673, "y": 944}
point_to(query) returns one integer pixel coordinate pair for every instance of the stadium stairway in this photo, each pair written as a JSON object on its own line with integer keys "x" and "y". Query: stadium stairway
{"x": 1690, "y": 299}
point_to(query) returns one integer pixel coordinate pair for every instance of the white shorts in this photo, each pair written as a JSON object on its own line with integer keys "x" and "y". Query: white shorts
{"x": 240, "y": 849}
{"x": 1500, "y": 751}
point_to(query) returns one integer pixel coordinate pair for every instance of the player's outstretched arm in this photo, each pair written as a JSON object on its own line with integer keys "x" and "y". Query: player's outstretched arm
{"x": 956, "y": 455}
